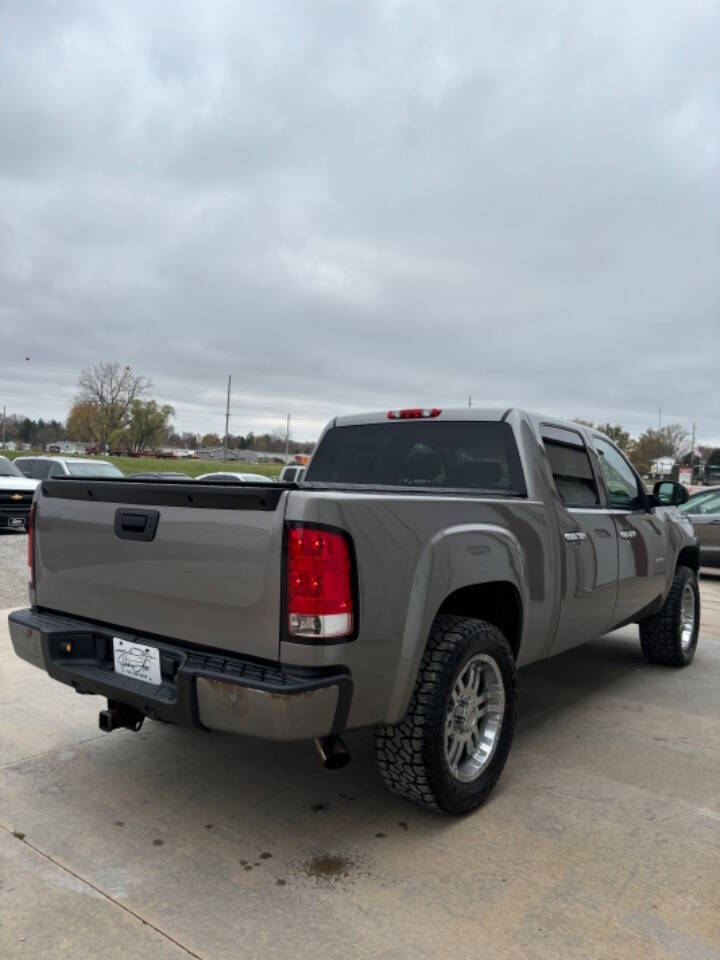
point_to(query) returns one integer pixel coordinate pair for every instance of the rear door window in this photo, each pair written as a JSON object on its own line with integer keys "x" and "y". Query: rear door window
{"x": 571, "y": 469}
{"x": 40, "y": 469}
{"x": 469, "y": 454}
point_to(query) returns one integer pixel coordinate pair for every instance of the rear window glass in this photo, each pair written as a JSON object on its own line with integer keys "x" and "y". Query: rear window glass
{"x": 93, "y": 470}
{"x": 479, "y": 455}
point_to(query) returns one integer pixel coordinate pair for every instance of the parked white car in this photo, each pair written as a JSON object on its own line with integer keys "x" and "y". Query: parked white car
{"x": 225, "y": 475}
{"x": 292, "y": 473}
{"x": 16, "y": 496}
{"x": 44, "y": 468}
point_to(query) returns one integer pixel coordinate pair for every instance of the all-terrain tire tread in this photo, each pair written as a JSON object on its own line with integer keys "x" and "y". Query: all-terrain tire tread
{"x": 401, "y": 750}
{"x": 659, "y": 637}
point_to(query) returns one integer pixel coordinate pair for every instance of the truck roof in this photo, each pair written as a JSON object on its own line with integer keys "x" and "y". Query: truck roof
{"x": 494, "y": 414}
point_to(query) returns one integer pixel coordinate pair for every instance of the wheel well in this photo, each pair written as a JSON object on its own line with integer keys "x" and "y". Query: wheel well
{"x": 689, "y": 557}
{"x": 497, "y": 602}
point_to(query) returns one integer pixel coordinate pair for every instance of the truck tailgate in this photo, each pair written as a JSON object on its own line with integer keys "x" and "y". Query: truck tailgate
{"x": 208, "y": 572}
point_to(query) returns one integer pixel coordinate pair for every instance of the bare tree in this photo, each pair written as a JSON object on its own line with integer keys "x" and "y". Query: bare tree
{"x": 110, "y": 388}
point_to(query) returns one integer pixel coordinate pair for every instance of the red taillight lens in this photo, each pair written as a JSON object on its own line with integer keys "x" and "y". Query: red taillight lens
{"x": 31, "y": 546}
{"x": 319, "y": 584}
{"x": 413, "y": 413}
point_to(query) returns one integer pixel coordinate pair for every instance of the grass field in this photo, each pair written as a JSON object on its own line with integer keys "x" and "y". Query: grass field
{"x": 193, "y": 468}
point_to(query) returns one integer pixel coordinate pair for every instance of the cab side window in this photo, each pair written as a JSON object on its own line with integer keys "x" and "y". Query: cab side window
{"x": 570, "y": 465}
{"x": 623, "y": 486}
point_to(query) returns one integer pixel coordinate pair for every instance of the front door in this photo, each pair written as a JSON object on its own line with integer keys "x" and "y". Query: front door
{"x": 642, "y": 542}
{"x": 588, "y": 541}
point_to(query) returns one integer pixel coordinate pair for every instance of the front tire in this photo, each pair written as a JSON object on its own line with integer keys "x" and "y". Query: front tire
{"x": 670, "y": 636}
{"x": 449, "y": 750}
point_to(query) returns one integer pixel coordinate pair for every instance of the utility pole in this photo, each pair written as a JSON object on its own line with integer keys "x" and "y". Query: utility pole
{"x": 470, "y": 400}
{"x": 227, "y": 421}
{"x": 287, "y": 437}
{"x": 3, "y": 430}
{"x": 692, "y": 456}
{"x": 657, "y": 446}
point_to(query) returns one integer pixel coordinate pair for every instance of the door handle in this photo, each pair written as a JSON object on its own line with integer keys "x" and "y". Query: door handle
{"x": 628, "y": 534}
{"x": 575, "y": 537}
{"x": 136, "y": 524}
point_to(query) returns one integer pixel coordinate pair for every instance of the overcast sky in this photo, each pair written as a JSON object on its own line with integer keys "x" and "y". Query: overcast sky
{"x": 355, "y": 206}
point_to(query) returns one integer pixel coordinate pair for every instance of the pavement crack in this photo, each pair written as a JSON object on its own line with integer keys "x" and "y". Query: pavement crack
{"x": 88, "y": 883}
{"x": 49, "y": 753}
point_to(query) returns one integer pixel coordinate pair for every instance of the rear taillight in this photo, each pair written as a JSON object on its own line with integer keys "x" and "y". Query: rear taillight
{"x": 319, "y": 593}
{"x": 31, "y": 546}
{"x": 413, "y": 413}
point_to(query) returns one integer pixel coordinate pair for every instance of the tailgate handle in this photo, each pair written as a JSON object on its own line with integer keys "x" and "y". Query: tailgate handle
{"x": 136, "y": 524}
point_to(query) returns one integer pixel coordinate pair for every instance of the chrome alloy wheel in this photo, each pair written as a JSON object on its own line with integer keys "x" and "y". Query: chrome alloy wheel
{"x": 687, "y": 617}
{"x": 474, "y": 717}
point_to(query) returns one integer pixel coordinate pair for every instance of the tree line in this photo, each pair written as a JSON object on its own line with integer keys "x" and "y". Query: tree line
{"x": 669, "y": 441}
{"x": 112, "y": 409}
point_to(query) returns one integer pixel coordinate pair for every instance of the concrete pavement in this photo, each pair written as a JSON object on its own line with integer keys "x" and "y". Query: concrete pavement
{"x": 601, "y": 841}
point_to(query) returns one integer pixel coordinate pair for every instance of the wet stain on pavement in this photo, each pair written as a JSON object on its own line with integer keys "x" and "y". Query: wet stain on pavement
{"x": 265, "y": 856}
{"x": 319, "y": 807}
{"x": 331, "y": 867}
{"x": 158, "y": 842}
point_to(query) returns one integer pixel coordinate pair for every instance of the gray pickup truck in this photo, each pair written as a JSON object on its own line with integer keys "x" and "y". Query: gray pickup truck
{"x": 426, "y": 556}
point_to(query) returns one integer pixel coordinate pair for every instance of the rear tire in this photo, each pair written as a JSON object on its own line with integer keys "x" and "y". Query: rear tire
{"x": 449, "y": 750}
{"x": 670, "y": 636}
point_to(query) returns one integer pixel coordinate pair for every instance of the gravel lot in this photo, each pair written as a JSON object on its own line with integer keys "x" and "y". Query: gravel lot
{"x": 13, "y": 570}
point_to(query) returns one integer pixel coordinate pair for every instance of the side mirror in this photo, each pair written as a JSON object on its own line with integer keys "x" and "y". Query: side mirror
{"x": 668, "y": 493}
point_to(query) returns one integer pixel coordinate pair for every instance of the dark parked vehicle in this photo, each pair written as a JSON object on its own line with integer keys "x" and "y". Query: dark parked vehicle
{"x": 427, "y": 556}
{"x": 703, "y": 509}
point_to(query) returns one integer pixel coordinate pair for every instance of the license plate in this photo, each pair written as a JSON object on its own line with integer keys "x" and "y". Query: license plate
{"x": 137, "y": 660}
{"x": 16, "y": 522}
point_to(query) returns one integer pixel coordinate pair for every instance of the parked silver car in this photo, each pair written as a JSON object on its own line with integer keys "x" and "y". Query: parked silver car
{"x": 45, "y": 468}
{"x": 703, "y": 509}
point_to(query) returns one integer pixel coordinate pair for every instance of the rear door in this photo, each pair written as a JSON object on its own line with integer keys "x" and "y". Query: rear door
{"x": 588, "y": 541}
{"x": 642, "y": 538}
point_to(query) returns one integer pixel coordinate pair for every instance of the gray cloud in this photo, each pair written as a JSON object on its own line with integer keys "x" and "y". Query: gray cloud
{"x": 355, "y": 206}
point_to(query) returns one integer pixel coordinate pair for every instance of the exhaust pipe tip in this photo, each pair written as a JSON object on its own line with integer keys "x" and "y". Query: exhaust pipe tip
{"x": 333, "y": 752}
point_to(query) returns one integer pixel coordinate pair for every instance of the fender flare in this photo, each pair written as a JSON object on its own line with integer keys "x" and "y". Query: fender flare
{"x": 460, "y": 556}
